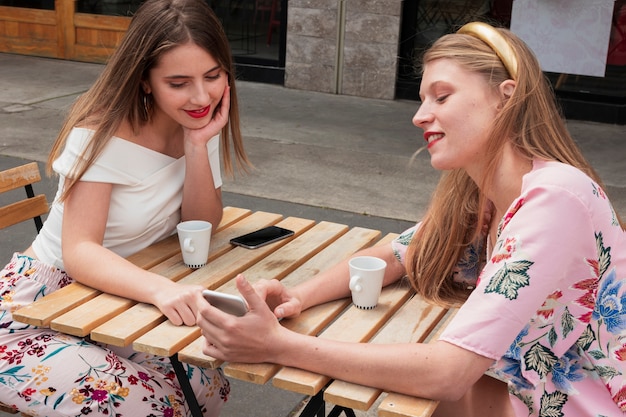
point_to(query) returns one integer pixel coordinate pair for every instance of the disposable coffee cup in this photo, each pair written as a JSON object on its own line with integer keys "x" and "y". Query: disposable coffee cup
{"x": 195, "y": 239}
{"x": 366, "y": 280}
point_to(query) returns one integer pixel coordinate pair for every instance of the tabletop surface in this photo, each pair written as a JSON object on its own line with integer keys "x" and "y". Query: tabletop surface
{"x": 399, "y": 317}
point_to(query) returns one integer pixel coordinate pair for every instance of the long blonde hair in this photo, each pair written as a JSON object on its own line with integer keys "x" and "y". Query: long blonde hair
{"x": 116, "y": 96}
{"x": 530, "y": 120}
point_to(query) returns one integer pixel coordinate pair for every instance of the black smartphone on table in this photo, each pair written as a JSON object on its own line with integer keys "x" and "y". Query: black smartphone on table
{"x": 261, "y": 237}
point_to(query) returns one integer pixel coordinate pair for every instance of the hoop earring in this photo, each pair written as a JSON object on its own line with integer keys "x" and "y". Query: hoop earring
{"x": 147, "y": 105}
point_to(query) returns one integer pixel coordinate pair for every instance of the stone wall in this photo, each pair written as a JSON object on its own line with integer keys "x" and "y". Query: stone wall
{"x": 343, "y": 46}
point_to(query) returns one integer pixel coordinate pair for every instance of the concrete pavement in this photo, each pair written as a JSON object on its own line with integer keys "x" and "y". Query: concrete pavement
{"x": 322, "y": 150}
{"x": 322, "y": 156}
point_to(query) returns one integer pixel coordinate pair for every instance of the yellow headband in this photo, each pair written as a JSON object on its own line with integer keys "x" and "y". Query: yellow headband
{"x": 496, "y": 41}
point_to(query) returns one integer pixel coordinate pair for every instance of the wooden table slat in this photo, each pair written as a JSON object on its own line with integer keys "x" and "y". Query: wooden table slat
{"x": 314, "y": 319}
{"x": 400, "y": 405}
{"x": 129, "y": 322}
{"x": 258, "y": 373}
{"x": 348, "y": 243}
{"x": 231, "y": 215}
{"x": 82, "y": 319}
{"x": 168, "y": 247}
{"x": 129, "y": 325}
{"x": 135, "y": 321}
{"x": 192, "y": 354}
{"x": 354, "y": 240}
{"x": 159, "y": 340}
{"x": 46, "y": 309}
{"x": 354, "y": 325}
{"x": 82, "y": 311}
{"x": 155, "y": 253}
{"x": 292, "y": 256}
{"x": 360, "y": 397}
{"x": 358, "y": 325}
{"x": 240, "y": 259}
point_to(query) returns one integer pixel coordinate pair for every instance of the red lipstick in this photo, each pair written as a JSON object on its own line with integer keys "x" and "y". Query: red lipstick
{"x": 198, "y": 114}
{"x": 432, "y": 138}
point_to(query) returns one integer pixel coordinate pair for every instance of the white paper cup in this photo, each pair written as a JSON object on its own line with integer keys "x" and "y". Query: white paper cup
{"x": 366, "y": 280}
{"x": 195, "y": 239}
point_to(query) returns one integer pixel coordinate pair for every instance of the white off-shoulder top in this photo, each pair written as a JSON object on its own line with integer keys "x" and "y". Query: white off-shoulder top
{"x": 145, "y": 201}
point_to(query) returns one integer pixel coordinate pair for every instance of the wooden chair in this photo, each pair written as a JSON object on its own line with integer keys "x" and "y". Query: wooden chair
{"x": 31, "y": 207}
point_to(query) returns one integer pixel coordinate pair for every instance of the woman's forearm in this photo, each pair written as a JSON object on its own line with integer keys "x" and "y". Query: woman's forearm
{"x": 109, "y": 272}
{"x": 333, "y": 283}
{"x": 439, "y": 371}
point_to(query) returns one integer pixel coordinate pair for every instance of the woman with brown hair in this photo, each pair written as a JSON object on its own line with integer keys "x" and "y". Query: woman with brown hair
{"x": 138, "y": 153}
{"x": 519, "y": 234}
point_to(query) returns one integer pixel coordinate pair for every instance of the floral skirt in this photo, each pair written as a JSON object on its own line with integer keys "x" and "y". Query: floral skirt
{"x": 47, "y": 373}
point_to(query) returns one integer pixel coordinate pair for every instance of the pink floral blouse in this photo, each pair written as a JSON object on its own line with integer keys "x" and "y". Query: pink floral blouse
{"x": 550, "y": 304}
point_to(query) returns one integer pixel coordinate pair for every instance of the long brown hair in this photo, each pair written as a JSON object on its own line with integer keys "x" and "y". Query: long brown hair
{"x": 116, "y": 96}
{"x": 530, "y": 120}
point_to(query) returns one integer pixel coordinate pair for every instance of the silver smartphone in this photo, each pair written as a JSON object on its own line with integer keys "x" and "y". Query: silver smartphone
{"x": 231, "y": 304}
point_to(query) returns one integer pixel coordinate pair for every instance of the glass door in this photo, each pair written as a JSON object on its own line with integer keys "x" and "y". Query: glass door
{"x": 601, "y": 99}
{"x": 255, "y": 30}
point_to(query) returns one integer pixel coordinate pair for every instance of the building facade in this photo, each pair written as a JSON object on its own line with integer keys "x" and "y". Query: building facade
{"x": 363, "y": 48}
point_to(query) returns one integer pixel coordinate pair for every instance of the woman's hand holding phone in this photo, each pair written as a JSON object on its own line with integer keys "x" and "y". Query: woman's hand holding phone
{"x": 253, "y": 337}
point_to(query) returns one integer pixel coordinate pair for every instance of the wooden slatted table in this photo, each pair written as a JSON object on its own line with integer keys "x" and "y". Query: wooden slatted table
{"x": 399, "y": 318}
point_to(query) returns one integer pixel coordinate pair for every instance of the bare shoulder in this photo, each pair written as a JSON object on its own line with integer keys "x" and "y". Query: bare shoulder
{"x": 126, "y": 131}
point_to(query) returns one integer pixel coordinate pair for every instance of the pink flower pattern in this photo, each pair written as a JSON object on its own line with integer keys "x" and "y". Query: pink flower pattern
{"x": 46, "y": 369}
{"x": 550, "y": 305}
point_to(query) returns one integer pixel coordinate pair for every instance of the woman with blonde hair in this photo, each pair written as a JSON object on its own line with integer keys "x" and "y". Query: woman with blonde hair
{"x": 519, "y": 234}
{"x": 138, "y": 153}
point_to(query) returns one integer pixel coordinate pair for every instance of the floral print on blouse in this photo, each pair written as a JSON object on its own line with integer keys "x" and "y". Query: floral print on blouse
{"x": 550, "y": 303}
{"x": 465, "y": 274}
{"x": 48, "y": 373}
